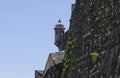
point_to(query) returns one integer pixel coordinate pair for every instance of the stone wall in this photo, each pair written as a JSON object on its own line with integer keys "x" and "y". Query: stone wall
{"x": 93, "y": 46}
{"x": 53, "y": 66}
{"x": 62, "y": 41}
{"x": 38, "y": 74}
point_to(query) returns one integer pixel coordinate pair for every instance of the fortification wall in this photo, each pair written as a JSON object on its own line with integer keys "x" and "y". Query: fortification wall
{"x": 93, "y": 46}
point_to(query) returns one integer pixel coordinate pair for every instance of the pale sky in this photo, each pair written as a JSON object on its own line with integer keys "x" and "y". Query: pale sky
{"x": 27, "y": 35}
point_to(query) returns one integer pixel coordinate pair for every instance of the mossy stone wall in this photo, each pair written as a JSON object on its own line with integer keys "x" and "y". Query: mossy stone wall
{"x": 93, "y": 46}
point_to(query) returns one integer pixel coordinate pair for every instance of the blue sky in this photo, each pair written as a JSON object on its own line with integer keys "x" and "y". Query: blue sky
{"x": 27, "y": 35}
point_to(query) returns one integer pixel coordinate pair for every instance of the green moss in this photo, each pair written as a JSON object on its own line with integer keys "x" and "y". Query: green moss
{"x": 94, "y": 56}
{"x": 66, "y": 64}
{"x": 64, "y": 71}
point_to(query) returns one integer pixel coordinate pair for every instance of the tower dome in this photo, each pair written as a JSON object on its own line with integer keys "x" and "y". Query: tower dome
{"x": 59, "y": 25}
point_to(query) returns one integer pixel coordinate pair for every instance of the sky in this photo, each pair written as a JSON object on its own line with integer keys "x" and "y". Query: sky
{"x": 27, "y": 34}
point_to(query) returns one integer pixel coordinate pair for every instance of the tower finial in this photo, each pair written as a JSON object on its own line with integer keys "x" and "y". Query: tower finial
{"x": 59, "y": 21}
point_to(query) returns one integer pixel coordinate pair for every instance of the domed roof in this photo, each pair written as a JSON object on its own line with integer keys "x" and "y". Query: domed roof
{"x": 59, "y": 25}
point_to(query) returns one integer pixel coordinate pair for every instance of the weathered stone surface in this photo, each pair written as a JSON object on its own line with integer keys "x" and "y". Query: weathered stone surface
{"x": 93, "y": 46}
{"x": 54, "y": 65}
{"x": 38, "y": 73}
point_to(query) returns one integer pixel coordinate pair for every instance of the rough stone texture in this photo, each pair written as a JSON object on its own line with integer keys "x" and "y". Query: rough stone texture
{"x": 38, "y": 73}
{"x": 93, "y": 46}
{"x": 54, "y": 65}
{"x": 62, "y": 41}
